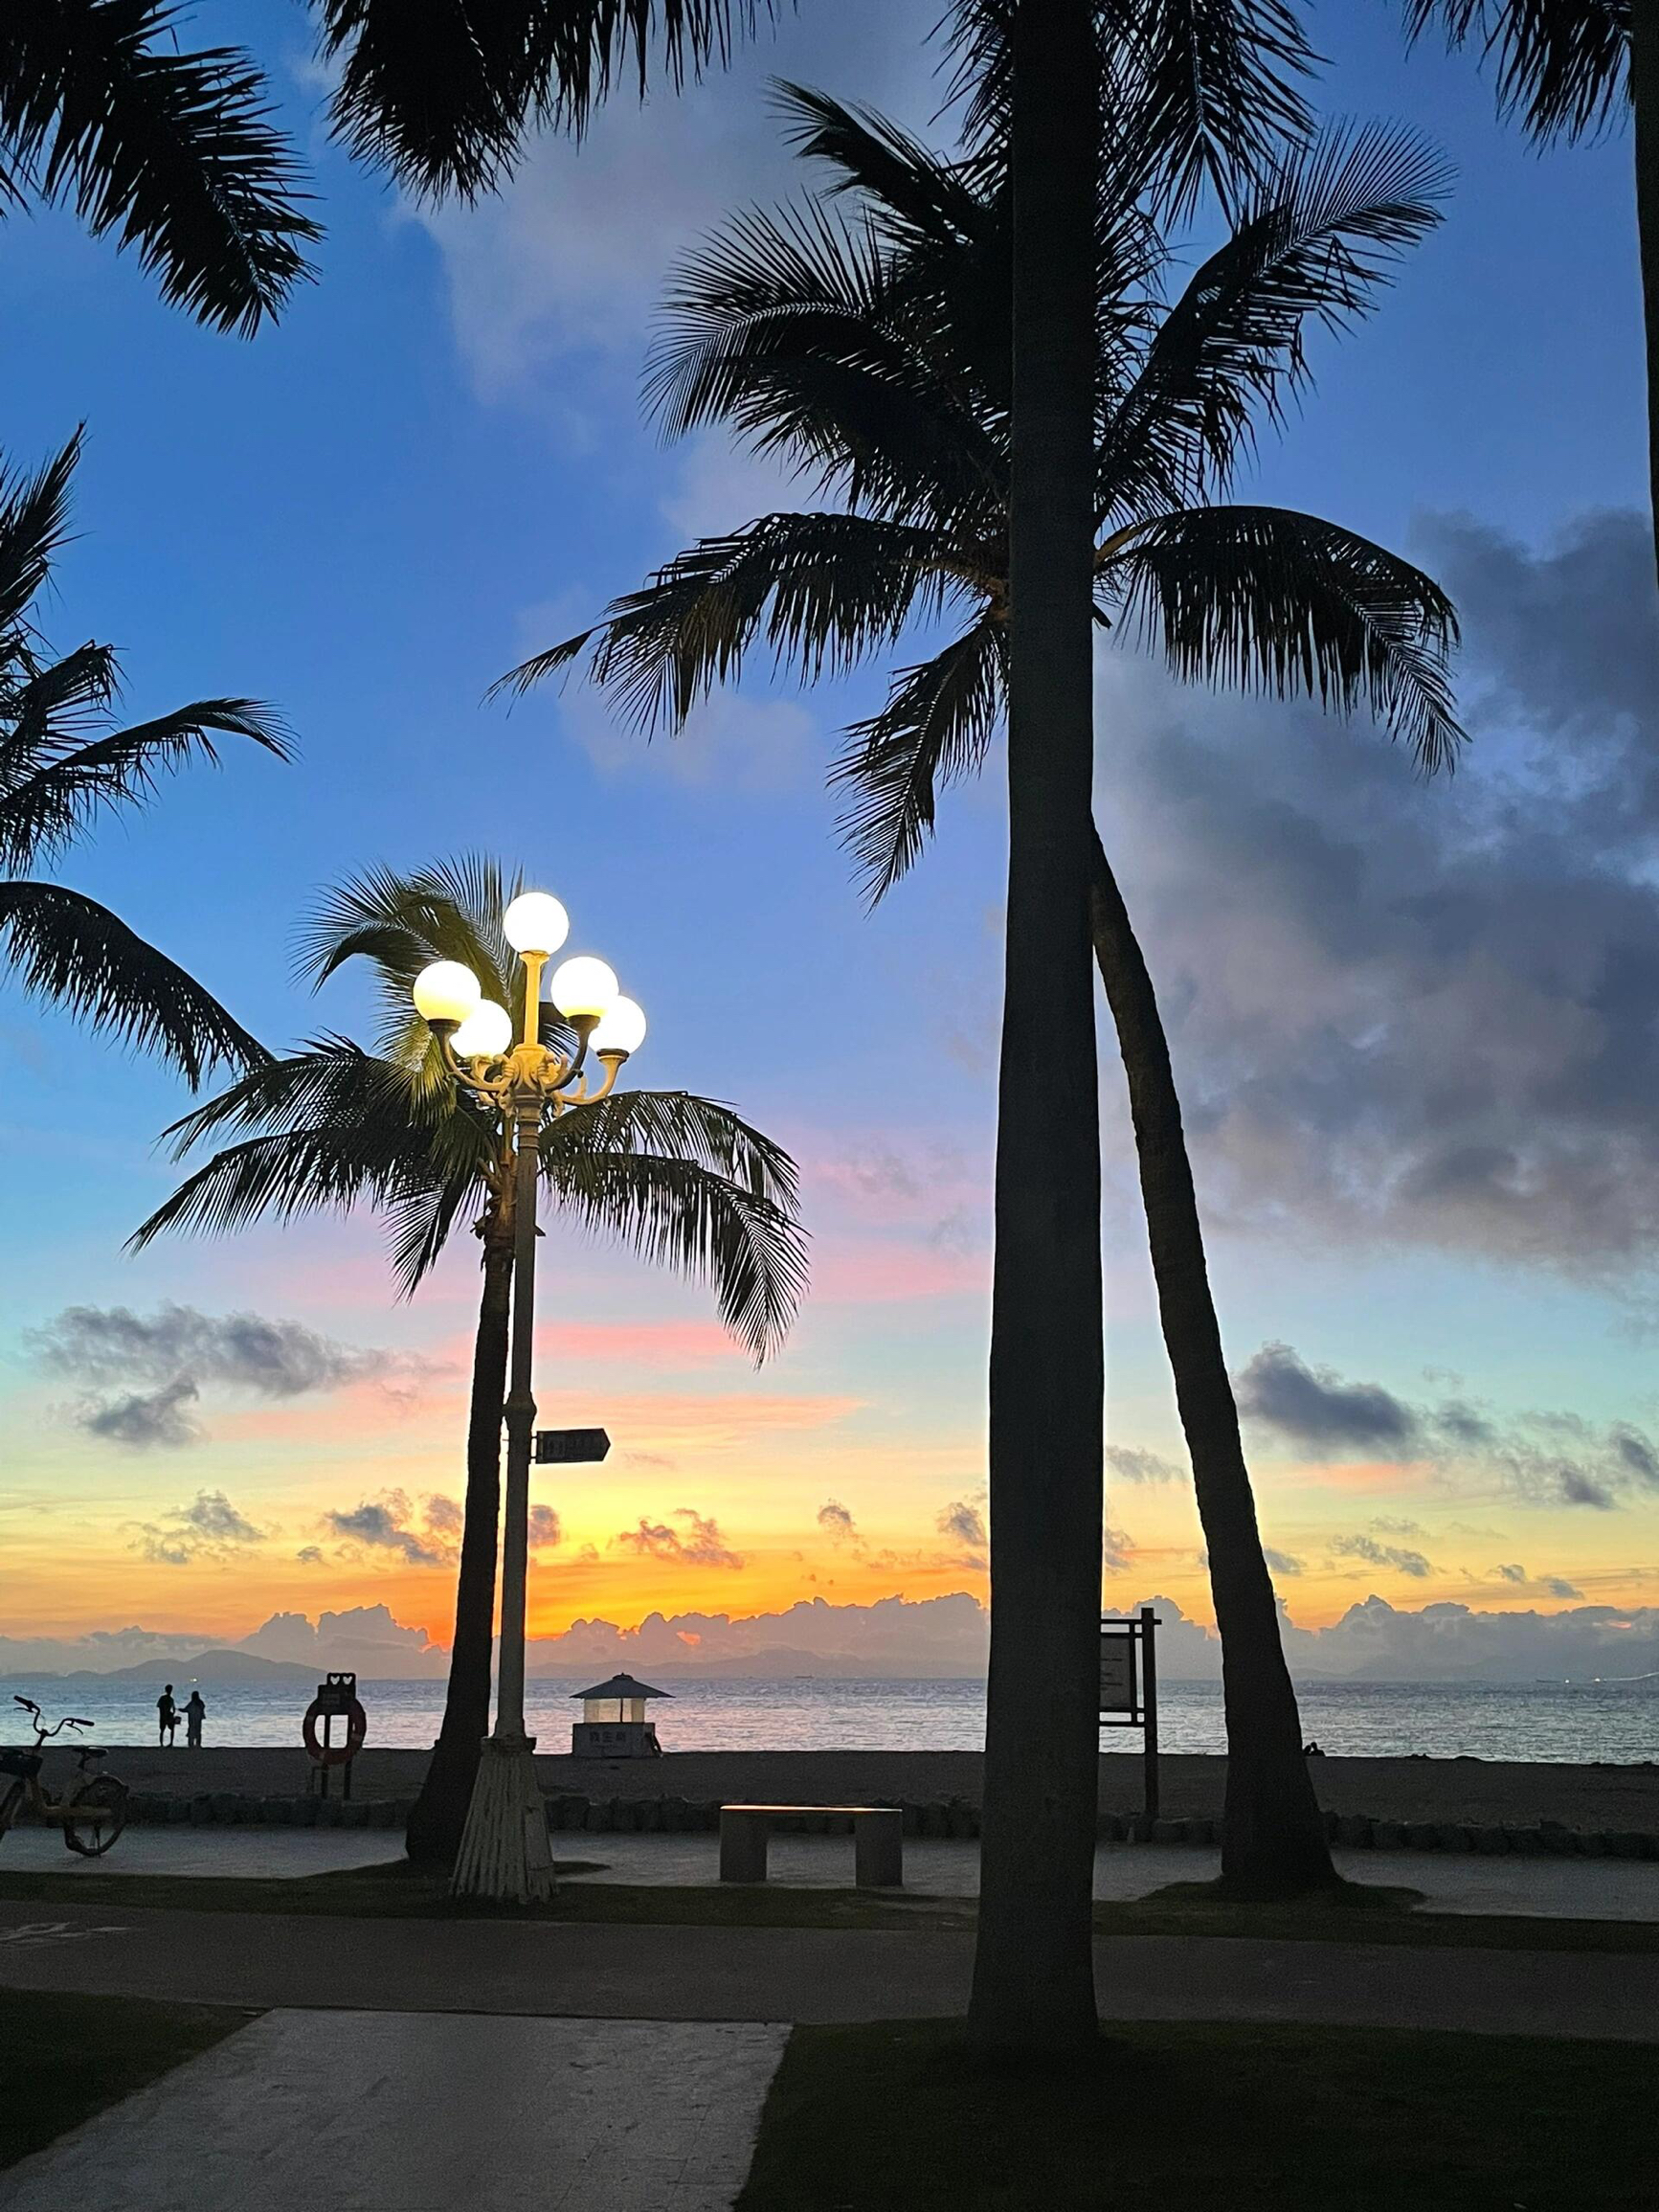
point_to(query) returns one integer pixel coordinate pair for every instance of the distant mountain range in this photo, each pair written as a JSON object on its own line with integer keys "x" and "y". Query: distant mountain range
{"x": 206, "y": 1667}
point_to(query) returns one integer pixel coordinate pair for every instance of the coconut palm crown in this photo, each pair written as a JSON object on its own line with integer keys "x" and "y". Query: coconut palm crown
{"x": 65, "y": 760}
{"x": 681, "y": 1180}
{"x": 862, "y": 337}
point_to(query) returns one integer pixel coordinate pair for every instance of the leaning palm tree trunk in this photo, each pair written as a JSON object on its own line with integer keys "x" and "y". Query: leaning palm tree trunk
{"x": 1033, "y": 1969}
{"x": 1644, "y": 99}
{"x": 1272, "y": 1837}
{"x": 438, "y": 1813}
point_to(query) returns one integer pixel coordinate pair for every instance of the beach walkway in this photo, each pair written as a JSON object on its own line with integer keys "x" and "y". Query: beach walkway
{"x": 352, "y": 2111}
{"x": 934, "y": 1867}
{"x": 621, "y": 1970}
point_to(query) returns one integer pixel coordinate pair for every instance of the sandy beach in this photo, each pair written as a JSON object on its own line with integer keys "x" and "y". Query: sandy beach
{"x": 1476, "y": 1791}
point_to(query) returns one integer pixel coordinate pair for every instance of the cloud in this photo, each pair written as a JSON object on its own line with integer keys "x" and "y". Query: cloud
{"x": 545, "y": 1529}
{"x": 1376, "y": 1554}
{"x": 1552, "y": 1585}
{"x": 177, "y": 1349}
{"x": 309, "y": 1555}
{"x": 1420, "y": 1014}
{"x": 696, "y": 1543}
{"x": 444, "y": 1517}
{"x": 963, "y": 1523}
{"x": 1390, "y": 1524}
{"x": 837, "y": 1523}
{"x": 1281, "y": 1562}
{"x": 1135, "y": 1465}
{"x": 208, "y": 1528}
{"x": 145, "y": 1419}
{"x": 1116, "y": 1550}
{"x": 569, "y": 258}
{"x": 382, "y": 1525}
{"x": 275, "y": 1358}
{"x": 1541, "y": 1458}
{"x": 1312, "y": 1407}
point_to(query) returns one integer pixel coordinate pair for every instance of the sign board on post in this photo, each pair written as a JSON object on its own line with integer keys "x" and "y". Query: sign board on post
{"x": 1116, "y": 1672}
{"x": 570, "y": 1447}
{"x": 1128, "y": 1686}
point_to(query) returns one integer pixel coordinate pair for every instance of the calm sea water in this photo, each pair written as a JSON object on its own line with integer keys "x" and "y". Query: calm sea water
{"x": 1612, "y": 1721}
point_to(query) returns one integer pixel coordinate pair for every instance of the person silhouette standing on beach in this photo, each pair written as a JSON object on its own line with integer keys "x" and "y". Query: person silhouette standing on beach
{"x": 166, "y": 1715}
{"x": 196, "y": 1712}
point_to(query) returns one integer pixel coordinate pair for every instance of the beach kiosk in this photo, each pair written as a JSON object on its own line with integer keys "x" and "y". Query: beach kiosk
{"x": 613, "y": 1724}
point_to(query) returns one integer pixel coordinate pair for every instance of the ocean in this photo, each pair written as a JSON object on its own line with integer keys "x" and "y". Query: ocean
{"x": 1617, "y": 1722}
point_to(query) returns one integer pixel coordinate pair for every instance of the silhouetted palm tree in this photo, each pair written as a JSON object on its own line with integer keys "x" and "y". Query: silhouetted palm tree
{"x": 1204, "y": 89}
{"x": 173, "y": 152}
{"x": 1569, "y": 69}
{"x": 864, "y": 338}
{"x": 63, "y": 759}
{"x": 681, "y": 1181}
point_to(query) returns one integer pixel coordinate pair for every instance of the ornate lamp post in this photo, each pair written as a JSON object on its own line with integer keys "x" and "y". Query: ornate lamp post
{"x": 504, "y": 1851}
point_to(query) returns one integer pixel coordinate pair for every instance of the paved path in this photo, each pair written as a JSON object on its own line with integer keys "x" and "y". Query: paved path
{"x": 285, "y": 1853}
{"x": 606, "y": 1970}
{"x": 1554, "y": 1888}
{"x": 424, "y": 2112}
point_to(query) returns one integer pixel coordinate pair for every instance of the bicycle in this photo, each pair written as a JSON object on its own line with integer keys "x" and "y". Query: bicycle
{"x": 92, "y": 1814}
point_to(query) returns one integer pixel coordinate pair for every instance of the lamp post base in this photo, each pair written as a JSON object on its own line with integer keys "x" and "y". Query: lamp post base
{"x": 505, "y": 1851}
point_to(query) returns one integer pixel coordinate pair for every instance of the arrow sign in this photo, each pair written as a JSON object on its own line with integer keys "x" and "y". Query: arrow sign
{"x": 566, "y": 1446}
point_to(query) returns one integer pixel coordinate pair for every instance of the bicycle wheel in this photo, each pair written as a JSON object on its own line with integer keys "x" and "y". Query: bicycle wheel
{"x": 96, "y": 1817}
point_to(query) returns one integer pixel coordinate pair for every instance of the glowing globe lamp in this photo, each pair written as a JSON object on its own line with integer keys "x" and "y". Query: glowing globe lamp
{"x": 583, "y": 988}
{"x": 622, "y": 1029}
{"x": 446, "y": 992}
{"x": 486, "y": 1034}
{"x": 536, "y": 923}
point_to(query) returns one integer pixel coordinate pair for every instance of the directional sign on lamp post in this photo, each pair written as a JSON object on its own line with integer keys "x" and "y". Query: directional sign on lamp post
{"x": 566, "y": 1446}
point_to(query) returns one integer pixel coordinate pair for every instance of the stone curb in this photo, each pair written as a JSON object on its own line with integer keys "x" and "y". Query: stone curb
{"x": 952, "y": 1817}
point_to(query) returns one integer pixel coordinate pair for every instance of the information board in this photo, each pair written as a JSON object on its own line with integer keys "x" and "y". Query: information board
{"x": 1117, "y": 1673}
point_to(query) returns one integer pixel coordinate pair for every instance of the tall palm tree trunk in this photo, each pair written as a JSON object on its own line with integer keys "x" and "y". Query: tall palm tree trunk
{"x": 1645, "y": 98}
{"x": 1033, "y": 1970}
{"x": 440, "y": 1812}
{"x": 1272, "y": 1837}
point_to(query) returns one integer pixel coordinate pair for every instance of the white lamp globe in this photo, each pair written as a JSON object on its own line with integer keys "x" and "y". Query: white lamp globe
{"x": 621, "y": 1028}
{"x": 583, "y": 988}
{"x": 446, "y": 992}
{"x": 536, "y": 923}
{"x": 486, "y": 1032}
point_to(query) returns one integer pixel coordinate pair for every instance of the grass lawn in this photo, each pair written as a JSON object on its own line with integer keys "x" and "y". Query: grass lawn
{"x": 1357, "y": 1913}
{"x": 64, "y": 2058}
{"x": 1207, "y": 2119}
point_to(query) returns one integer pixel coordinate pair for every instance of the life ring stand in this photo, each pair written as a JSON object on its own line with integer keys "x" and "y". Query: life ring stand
{"x": 336, "y": 1700}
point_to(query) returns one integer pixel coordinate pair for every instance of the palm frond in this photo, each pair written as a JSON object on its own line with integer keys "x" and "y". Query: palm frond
{"x": 1563, "y": 66}
{"x": 938, "y": 720}
{"x": 823, "y": 590}
{"x": 784, "y": 327}
{"x": 51, "y": 784}
{"x": 1315, "y": 245}
{"x": 719, "y": 1207}
{"x": 444, "y": 93}
{"x": 33, "y": 525}
{"x": 1193, "y": 91}
{"x": 173, "y": 151}
{"x": 1266, "y": 600}
{"x": 69, "y": 949}
{"x": 399, "y": 924}
{"x": 420, "y": 1221}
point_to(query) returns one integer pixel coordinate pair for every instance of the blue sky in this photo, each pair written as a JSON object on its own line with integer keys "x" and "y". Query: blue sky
{"x": 436, "y": 464}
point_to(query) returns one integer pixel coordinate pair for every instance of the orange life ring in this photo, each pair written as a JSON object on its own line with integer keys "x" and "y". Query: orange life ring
{"x": 356, "y": 1728}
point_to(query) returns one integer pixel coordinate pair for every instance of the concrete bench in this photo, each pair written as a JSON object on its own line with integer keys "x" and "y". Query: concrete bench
{"x": 878, "y": 1840}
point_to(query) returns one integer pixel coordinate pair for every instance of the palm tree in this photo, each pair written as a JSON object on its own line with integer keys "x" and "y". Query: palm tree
{"x": 1568, "y": 69}
{"x": 65, "y": 759}
{"x": 443, "y": 97}
{"x": 681, "y": 1181}
{"x": 867, "y": 349}
{"x": 173, "y": 152}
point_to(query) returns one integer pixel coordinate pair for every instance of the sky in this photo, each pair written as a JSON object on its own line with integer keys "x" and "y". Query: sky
{"x": 1414, "y": 1024}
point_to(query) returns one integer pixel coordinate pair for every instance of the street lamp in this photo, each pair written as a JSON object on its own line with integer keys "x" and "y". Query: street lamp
{"x": 504, "y": 1849}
